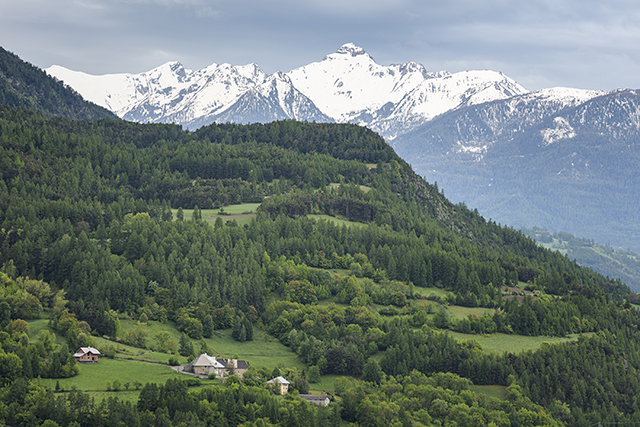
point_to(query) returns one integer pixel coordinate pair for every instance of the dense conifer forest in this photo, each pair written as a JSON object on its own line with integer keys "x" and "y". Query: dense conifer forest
{"x": 89, "y": 234}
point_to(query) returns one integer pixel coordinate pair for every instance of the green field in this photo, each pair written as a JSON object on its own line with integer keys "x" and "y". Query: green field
{"x": 263, "y": 351}
{"x": 146, "y": 365}
{"x": 427, "y": 292}
{"x": 364, "y": 188}
{"x": 326, "y": 384}
{"x": 242, "y": 213}
{"x": 497, "y": 391}
{"x": 94, "y": 376}
{"x": 511, "y": 343}
{"x": 460, "y": 312}
{"x": 337, "y": 221}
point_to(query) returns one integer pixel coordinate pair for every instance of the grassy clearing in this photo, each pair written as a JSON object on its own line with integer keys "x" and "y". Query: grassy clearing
{"x": 459, "y": 312}
{"x": 337, "y": 221}
{"x": 364, "y": 188}
{"x": 264, "y": 351}
{"x": 326, "y": 384}
{"x": 497, "y": 391}
{"x": 511, "y": 343}
{"x": 94, "y": 376}
{"x": 37, "y": 325}
{"x": 242, "y": 213}
{"x": 241, "y": 209}
{"x": 426, "y": 292}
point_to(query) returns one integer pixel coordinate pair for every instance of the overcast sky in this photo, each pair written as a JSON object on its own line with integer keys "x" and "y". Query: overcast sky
{"x": 584, "y": 44}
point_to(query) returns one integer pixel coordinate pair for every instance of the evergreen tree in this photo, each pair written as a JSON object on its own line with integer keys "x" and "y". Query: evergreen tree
{"x": 207, "y": 326}
{"x": 185, "y": 346}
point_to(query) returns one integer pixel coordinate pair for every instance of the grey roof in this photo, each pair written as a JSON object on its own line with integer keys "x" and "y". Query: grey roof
{"x": 240, "y": 363}
{"x": 279, "y": 380}
{"x": 206, "y": 360}
{"x": 84, "y": 350}
{"x": 314, "y": 396}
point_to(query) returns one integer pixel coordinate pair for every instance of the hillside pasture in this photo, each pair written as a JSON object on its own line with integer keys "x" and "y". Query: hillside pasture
{"x": 460, "y": 312}
{"x": 93, "y": 377}
{"x": 336, "y": 221}
{"x": 498, "y": 342}
{"x": 242, "y": 213}
{"x": 263, "y": 351}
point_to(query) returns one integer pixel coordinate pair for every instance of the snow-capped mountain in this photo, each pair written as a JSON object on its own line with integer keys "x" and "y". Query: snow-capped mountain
{"x": 346, "y": 86}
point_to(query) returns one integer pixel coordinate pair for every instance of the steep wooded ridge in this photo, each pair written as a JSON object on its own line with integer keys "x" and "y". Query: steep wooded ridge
{"x": 88, "y": 236}
{"x": 562, "y": 159}
{"x": 24, "y": 85}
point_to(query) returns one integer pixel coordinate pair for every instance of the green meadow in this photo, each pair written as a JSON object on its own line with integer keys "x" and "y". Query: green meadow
{"x": 460, "y": 312}
{"x": 337, "y": 221}
{"x": 497, "y": 391}
{"x": 429, "y": 292}
{"x": 95, "y": 376}
{"x": 242, "y": 213}
{"x": 499, "y": 342}
{"x": 262, "y": 351}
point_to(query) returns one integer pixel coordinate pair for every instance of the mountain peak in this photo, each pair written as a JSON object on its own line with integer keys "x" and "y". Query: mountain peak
{"x": 351, "y": 49}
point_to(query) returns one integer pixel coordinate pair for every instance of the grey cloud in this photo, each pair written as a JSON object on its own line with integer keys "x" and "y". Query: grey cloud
{"x": 589, "y": 44}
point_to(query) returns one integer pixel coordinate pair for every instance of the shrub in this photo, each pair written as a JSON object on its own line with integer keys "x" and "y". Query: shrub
{"x": 174, "y": 360}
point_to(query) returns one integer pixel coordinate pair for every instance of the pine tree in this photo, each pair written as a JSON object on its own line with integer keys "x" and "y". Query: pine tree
{"x": 186, "y": 347}
{"x": 207, "y": 326}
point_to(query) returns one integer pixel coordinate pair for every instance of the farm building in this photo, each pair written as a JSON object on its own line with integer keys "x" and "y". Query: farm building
{"x": 87, "y": 355}
{"x": 316, "y": 399}
{"x": 205, "y": 365}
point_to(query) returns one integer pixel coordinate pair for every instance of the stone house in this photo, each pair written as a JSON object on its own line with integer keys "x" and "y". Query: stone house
{"x": 205, "y": 365}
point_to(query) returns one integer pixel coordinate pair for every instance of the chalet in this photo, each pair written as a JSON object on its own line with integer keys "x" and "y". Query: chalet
{"x": 87, "y": 355}
{"x": 280, "y": 382}
{"x": 316, "y": 399}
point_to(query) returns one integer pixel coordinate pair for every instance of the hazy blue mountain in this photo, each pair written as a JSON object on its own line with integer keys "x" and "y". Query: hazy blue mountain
{"x": 562, "y": 167}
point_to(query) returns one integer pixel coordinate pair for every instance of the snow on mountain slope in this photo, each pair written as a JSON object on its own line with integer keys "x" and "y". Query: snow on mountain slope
{"x": 346, "y": 86}
{"x": 274, "y": 99}
{"x": 349, "y": 81}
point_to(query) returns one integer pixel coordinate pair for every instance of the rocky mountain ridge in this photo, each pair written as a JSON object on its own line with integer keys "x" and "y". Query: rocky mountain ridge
{"x": 346, "y": 86}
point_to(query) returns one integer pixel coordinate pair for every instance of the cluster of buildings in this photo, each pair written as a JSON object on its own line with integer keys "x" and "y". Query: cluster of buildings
{"x": 223, "y": 368}
{"x": 207, "y": 365}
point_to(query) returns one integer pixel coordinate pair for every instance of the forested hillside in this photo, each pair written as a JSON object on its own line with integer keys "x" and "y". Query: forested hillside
{"x": 88, "y": 235}
{"x": 23, "y": 85}
{"x": 604, "y": 259}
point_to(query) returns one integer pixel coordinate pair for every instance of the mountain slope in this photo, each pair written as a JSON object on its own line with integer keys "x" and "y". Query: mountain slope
{"x": 535, "y": 160}
{"x": 23, "y": 85}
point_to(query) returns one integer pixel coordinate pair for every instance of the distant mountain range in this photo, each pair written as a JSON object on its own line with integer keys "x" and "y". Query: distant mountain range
{"x": 346, "y": 86}
{"x": 563, "y": 159}
{"x": 531, "y": 160}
